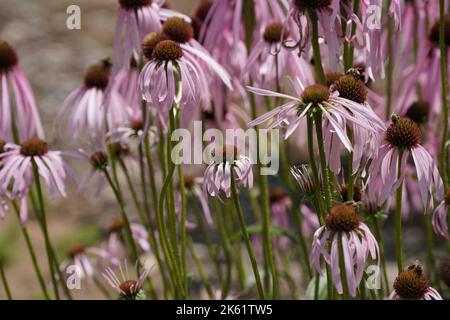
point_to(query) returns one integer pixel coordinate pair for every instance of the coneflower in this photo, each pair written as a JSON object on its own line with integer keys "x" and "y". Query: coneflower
{"x": 411, "y": 284}
{"x": 345, "y": 244}
{"x": 15, "y": 92}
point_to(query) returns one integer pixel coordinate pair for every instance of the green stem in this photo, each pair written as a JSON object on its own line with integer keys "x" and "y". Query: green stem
{"x": 134, "y": 196}
{"x": 175, "y": 273}
{"x": 183, "y": 216}
{"x": 323, "y": 161}
{"x": 379, "y": 237}
{"x": 398, "y": 219}
{"x": 124, "y": 217}
{"x": 312, "y": 163}
{"x": 246, "y": 236}
{"x": 201, "y": 270}
{"x": 443, "y": 157}
{"x": 5, "y": 282}
{"x": 320, "y": 74}
{"x": 151, "y": 233}
{"x": 32, "y": 253}
{"x": 226, "y": 246}
{"x": 42, "y": 217}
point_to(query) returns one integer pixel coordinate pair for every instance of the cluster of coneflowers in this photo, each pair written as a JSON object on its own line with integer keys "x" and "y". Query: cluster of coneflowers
{"x": 363, "y": 112}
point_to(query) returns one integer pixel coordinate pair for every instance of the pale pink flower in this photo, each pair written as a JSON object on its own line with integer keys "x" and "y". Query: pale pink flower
{"x": 136, "y": 19}
{"x": 411, "y": 284}
{"x": 91, "y": 109}
{"x": 217, "y": 176}
{"x": 269, "y": 62}
{"x": 343, "y": 227}
{"x": 439, "y": 217}
{"x": 84, "y": 258}
{"x": 114, "y": 247}
{"x": 15, "y": 92}
{"x": 329, "y": 27}
{"x": 208, "y": 69}
{"x": 403, "y": 138}
{"x": 16, "y": 172}
{"x": 169, "y": 66}
{"x": 338, "y": 113}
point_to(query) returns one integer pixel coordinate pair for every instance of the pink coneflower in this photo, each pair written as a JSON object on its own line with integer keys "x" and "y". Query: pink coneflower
{"x": 127, "y": 287}
{"x": 369, "y": 35}
{"x": 136, "y": 19}
{"x": 81, "y": 256}
{"x": 18, "y": 163}
{"x": 217, "y": 177}
{"x": 411, "y": 284}
{"x": 89, "y": 109}
{"x": 159, "y": 78}
{"x": 268, "y": 60}
{"x": 344, "y": 231}
{"x": 302, "y": 12}
{"x": 403, "y": 138}
{"x": 338, "y": 112}
{"x": 115, "y": 247}
{"x": 224, "y": 20}
{"x": 182, "y": 32}
{"x": 439, "y": 217}
{"x": 15, "y": 92}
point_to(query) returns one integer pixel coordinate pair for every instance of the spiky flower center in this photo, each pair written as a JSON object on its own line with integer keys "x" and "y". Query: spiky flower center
{"x": 444, "y": 270}
{"x": 342, "y": 218}
{"x": 150, "y": 42}
{"x": 115, "y": 226}
{"x": 189, "y": 182}
{"x": 178, "y": 30}
{"x": 97, "y": 75}
{"x": 434, "y": 32}
{"x": 418, "y": 112}
{"x": 75, "y": 250}
{"x": 34, "y": 147}
{"x": 411, "y": 283}
{"x": 274, "y": 33}
{"x": 134, "y": 4}
{"x": 403, "y": 133}
{"x": 129, "y": 288}
{"x": 99, "y": 160}
{"x": 311, "y": 4}
{"x": 357, "y": 193}
{"x": 167, "y": 50}
{"x": 227, "y": 152}
{"x": 2, "y": 146}
{"x": 8, "y": 57}
{"x": 351, "y": 88}
{"x": 315, "y": 94}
